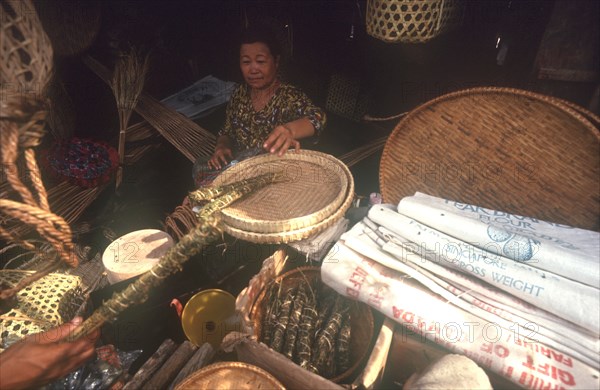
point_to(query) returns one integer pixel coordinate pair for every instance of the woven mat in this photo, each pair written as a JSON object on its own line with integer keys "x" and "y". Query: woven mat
{"x": 499, "y": 148}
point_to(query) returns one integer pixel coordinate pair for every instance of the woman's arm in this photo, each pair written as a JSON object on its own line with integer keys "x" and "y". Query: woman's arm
{"x": 287, "y": 135}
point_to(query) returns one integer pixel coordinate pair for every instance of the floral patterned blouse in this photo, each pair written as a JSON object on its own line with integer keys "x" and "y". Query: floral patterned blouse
{"x": 250, "y": 128}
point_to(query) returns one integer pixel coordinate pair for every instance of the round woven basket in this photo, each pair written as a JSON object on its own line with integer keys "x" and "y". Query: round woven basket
{"x": 361, "y": 317}
{"x": 499, "y": 148}
{"x": 316, "y": 191}
{"x": 230, "y": 375}
{"x": 411, "y": 21}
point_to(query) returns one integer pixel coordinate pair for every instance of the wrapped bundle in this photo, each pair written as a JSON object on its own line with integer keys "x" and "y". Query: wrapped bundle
{"x": 535, "y": 324}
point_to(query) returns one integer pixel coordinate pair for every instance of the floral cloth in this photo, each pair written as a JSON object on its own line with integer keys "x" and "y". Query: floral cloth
{"x": 250, "y": 128}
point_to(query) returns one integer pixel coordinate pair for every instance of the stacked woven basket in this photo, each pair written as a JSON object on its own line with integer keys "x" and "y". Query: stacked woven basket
{"x": 314, "y": 192}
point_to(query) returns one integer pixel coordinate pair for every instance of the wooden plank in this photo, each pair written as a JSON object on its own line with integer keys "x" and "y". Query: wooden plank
{"x": 151, "y": 365}
{"x": 172, "y": 366}
{"x": 202, "y": 357}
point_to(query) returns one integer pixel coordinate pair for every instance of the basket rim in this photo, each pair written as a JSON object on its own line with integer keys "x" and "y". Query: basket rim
{"x": 295, "y": 223}
{"x": 299, "y": 234}
{"x": 188, "y": 382}
{"x": 566, "y": 107}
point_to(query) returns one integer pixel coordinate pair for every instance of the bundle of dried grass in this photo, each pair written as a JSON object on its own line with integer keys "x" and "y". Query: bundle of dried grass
{"x": 187, "y": 136}
{"x": 127, "y": 84}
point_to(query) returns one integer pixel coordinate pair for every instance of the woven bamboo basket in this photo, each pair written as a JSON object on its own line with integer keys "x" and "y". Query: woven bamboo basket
{"x": 44, "y": 304}
{"x": 361, "y": 317}
{"x": 72, "y": 26}
{"x": 316, "y": 192}
{"x": 411, "y": 21}
{"x": 230, "y": 375}
{"x": 499, "y": 148}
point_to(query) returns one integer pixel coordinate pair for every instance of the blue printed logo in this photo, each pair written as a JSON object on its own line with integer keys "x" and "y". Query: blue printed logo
{"x": 514, "y": 246}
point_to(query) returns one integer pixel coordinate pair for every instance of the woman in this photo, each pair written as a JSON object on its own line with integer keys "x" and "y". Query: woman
{"x": 264, "y": 114}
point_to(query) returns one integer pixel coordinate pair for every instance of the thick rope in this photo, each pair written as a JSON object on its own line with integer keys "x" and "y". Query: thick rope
{"x": 36, "y": 179}
{"x": 51, "y": 227}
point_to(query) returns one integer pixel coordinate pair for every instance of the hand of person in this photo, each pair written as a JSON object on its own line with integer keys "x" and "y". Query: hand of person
{"x": 220, "y": 157}
{"x": 280, "y": 140}
{"x": 44, "y": 357}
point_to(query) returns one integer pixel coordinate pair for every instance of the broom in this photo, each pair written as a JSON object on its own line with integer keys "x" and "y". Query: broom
{"x": 126, "y": 84}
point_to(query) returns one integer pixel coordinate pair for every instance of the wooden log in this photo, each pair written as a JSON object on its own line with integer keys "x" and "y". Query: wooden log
{"x": 202, "y": 357}
{"x": 152, "y": 364}
{"x": 172, "y": 366}
{"x": 287, "y": 372}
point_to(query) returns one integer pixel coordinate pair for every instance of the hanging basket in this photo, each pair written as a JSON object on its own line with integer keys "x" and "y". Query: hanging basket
{"x": 411, "y": 21}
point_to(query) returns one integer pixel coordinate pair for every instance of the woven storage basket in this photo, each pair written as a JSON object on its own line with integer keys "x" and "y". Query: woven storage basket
{"x": 316, "y": 192}
{"x": 361, "y": 317}
{"x": 230, "y": 375}
{"x": 44, "y": 304}
{"x": 498, "y": 148}
{"x": 411, "y": 21}
{"x": 25, "y": 48}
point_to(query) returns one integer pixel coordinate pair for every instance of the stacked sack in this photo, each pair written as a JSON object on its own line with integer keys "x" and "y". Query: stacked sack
{"x": 516, "y": 294}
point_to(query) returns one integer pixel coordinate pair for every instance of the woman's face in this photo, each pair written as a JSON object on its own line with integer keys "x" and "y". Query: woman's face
{"x": 258, "y": 65}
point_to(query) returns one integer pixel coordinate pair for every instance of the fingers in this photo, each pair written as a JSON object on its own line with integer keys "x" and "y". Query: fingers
{"x": 280, "y": 140}
{"x": 220, "y": 158}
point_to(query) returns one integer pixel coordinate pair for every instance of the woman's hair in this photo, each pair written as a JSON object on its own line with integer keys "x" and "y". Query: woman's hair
{"x": 263, "y": 35}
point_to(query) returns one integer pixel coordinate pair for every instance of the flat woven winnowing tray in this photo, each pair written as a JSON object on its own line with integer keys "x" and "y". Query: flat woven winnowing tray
{"x": 500, "y": 148}
{"x": 315, "y": 191}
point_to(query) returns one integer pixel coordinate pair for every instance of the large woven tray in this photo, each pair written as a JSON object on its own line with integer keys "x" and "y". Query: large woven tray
{"x": 316, "y": 191}
{"x": 504, "y": 149}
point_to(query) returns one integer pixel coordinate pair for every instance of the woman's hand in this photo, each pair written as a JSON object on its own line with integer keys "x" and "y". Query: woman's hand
{"x": 221, "y": 157}
{"x": 44, "y": 357}
{"x": 280, "y": 140}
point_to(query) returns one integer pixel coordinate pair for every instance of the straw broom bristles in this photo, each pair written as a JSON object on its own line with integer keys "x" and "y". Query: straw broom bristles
{"x": 186, "y": 135}
{"x": 127, "y": 84}
{"x": 359, "y": 154}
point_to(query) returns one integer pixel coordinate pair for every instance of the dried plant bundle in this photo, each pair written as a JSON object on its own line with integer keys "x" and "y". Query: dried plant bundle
{"x": 186, "y": 135}
{"x": 127, "y": 84}
{"x": 207, "y": 230}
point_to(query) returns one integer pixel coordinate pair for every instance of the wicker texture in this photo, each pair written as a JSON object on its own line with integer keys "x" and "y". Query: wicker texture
{"x": 46, "y": 303}
{"x": 411, "y": 21}
{"x": 25, "y": 48}
{"x": 230, "y": 375}
{"x": 321, "y": 181}
{"x": 72, "y": 26}
{"x": 499, "y": 148}
{"x": 317, "y": 191}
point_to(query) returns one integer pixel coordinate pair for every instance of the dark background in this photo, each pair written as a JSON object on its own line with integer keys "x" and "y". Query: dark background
{"x": 327, "y": 53}
{"x": 190, "y": 39}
